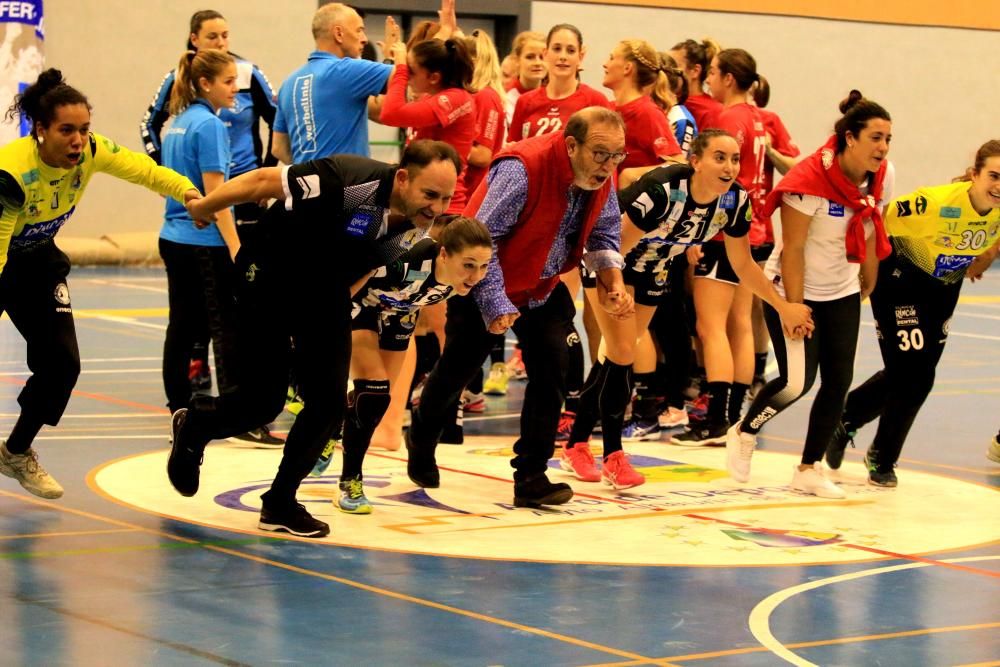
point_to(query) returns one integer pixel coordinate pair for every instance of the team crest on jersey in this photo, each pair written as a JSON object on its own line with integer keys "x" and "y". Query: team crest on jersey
{"x": 77, "y": 180}
{"x": 728, "y": 201}
{"x": 62, "y": 294}
{"x": 444, "y": 102}
{"x": 33, "y": 210}
{"x": 826, "y": 155}
{"x": 251, "y": 274}
{"x": 720, "y": 218}
{"x": 921, "y": 204}
{"x": 836, "y": 210}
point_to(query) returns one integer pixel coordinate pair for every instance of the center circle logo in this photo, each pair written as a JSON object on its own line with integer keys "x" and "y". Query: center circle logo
{"x": 689, "y": 511}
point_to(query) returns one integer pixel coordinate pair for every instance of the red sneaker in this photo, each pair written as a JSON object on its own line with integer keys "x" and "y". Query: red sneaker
{"x": 619, "y": 474}
{"x": 579, "y": 461}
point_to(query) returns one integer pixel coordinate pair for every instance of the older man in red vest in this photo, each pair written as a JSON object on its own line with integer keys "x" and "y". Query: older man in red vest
{"x": 546, "y": 200}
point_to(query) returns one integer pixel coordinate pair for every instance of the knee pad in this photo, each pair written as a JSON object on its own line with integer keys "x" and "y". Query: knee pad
{"x": 368, "y": 402}
{"x": 615, "y": 390}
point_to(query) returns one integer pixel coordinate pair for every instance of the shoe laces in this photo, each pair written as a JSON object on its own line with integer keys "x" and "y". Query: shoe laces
{"x": 747, "y": 445}
{"x": 355, "y": 489}
{"x": 28, "y": 462}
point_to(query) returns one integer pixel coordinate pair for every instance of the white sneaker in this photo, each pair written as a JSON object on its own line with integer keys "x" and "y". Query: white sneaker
{"x": 739, "y": 451}
{"x": 673, "y": 418}
{"x": 26, "y": 469}
{"x": 812, "y": 481}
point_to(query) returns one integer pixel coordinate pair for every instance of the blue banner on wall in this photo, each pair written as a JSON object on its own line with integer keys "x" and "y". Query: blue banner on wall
{"x": 22, "y": 31}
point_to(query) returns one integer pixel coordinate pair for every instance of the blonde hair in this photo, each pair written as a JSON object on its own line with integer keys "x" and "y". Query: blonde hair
{"x": 649, "y": 70}
{"x": 522, "y": 39}
{"x": 194, "y": 66}
{"x": 486, "y": 72}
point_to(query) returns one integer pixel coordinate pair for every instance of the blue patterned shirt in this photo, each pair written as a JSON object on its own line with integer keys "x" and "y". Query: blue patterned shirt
{"x": 508, "y": 190}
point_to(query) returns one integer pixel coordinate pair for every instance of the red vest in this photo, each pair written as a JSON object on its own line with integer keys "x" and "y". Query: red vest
{"x": 523, "y": 252}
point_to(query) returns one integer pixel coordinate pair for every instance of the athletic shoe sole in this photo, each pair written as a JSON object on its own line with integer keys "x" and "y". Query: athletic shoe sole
{"x": 280, "y": 528}
{"x": 555, "y": 498}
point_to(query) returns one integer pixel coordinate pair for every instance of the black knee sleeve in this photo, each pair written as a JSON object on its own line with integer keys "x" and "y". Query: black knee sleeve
{"x": 367, "y": 403}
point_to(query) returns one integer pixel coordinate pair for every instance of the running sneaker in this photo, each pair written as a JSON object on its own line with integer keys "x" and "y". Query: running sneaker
{"x": 698, "y": 407}
{"x": 619, "y": 474}
{"x": 295, "y": 520}
{"x": 579, "y": 460}
{"x": 537, "y": 490}
{"x": 673, "y": 418}
{"x": 739, "y": 452}
{"x": 323, "y": 462}
{"x": 293, "y": 402}
{"x": 352, "y": 497}
{"x": 993, "y": 453}
{"x": 640, "y": 429}
{"x": 258, "y": 436}
{"x": 496, "y": 382}
{"x": 29, "y": 473}
{"x": 838, "y": 445}
{"x": 566, "y": 421}
{"x": 473, "y": 403}
{"x": 515, "y": 366}
{"x": 812, "y": 481}
{"x": 878, "y": 477}
{"x": 702, "y": 434}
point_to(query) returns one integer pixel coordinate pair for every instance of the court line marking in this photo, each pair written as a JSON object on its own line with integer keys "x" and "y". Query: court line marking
{"x": 66, "y": 533}
{"x": 157, "y": 312}
{"x": 820, "y": 643}
{"x": 385, "y": 592}
{"x": 92, "y": 371}
{"x": 760, "y": 615}
{"x": 112, "y": 283}
{"x": 96, "y": 415}
{"x": 92, "y": 360}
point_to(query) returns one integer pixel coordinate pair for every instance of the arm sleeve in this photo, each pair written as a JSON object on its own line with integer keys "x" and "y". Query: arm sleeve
{"x": 805, "y": 204}
{"x": 396, "y": 111}
{"x": 11, "y": 202}
{"x": 488, "y": 115}
{"x": 604, "y": 242}
{"x": 133, "y": 167}
{"x": 156, "y": 115}
{"x": 265, "y": 104}
{"x": 645, "y": 201}
{"x": 508, "y": 188}
{"x": 212, "y": 146}
{"x": 516, "y": 132}
{"x": 782, "y": 142}
{"x": 368, "y": 78}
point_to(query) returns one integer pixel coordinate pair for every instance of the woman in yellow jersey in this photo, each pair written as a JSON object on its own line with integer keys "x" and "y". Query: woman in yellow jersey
{"x": 939, "y": 235}
{"x": 42, "y": 179}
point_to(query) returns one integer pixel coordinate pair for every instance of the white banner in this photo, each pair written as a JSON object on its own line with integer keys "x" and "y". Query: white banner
{"x": 21, "y": 57}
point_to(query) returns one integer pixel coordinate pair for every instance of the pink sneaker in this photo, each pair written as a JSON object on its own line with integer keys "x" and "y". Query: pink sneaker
{"x": 579, "y": 461}
{"x": 619, "y": 474}
{"x": 565, "y": 426}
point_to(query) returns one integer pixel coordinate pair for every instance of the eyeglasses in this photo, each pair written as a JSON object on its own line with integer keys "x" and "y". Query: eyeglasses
{"x": 600, "y": 157}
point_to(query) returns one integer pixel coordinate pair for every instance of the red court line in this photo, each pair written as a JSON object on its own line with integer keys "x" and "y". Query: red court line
{"x": 880, "y": 552}
{"x": 102, "y": 397}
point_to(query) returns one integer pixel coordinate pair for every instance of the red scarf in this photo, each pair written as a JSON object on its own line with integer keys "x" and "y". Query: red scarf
{"x": 820, "y": 175}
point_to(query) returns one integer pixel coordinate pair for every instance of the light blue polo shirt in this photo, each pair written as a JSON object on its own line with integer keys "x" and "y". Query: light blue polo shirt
{"x": 196, "y": 143}
{"x": 323, "y": 105}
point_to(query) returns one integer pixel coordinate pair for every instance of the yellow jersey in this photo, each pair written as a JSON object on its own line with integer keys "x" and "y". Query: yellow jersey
{"x": 36, "y": 200}
{"x": 937, "y": 230}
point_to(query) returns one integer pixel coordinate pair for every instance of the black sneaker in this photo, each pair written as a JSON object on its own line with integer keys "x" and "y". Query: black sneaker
{"x": 538, "y": 490}
{"x": 701, "y": 435}
{"x": 838, "y": 444}
{"x": 421, "y": 467}
{"x": 877, "y": 477}
{"x": 184, "y": 464}
{"x": 295, "y": 520}
{"x": 258, "y": 436}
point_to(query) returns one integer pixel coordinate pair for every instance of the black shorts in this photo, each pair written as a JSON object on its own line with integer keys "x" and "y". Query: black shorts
{"x": 714, "y": 264}
{"x": 762, "y": 252}
{"x": 394, "y": 328}
{"x": 650, "y": 287}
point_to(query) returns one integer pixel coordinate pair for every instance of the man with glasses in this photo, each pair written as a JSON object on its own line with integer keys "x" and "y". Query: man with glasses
{"x": 547, "y": 200}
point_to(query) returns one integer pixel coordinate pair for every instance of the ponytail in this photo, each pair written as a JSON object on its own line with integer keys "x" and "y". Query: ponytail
{"x": 192, "y": 68}
{"x": 449, "y": 58}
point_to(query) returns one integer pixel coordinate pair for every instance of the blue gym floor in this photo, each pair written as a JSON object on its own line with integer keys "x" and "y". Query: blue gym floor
{"x": 106, "y": 576}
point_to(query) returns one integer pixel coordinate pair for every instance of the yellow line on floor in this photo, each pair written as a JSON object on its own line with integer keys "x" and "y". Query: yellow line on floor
{"x": 348, "y": 582}
{"x": 67, "y": 533}
{"x": 985, "y": 298}
{"x": 120, "y": 312}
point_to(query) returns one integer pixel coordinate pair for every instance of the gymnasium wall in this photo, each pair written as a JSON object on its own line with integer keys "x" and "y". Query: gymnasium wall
{"x": 938, "y": 83}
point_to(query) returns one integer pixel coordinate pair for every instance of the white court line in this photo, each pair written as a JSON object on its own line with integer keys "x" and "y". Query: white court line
{"x": 107, "y": 415}
{"x": 760, "y": 616}
{"x": 483, "y": 418}
{"x": 978, "y": 315}
{"x": 91, "y": 371}
{"x": 108, "y": 360}
{"x": 101, "y": 436}
{"x": 131, "y": 321}
{"x": 868, "y": 323}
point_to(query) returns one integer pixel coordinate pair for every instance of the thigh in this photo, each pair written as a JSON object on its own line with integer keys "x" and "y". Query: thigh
{"x": 837, "y": 322}
{"x": 366, "y": 358}
{"x": 542, "y": 331}
{"x": 712, "y": 301}
{"x": 185, "y": 295}
{"x": 714, "y": 264}
{"x": 37, "y": 300}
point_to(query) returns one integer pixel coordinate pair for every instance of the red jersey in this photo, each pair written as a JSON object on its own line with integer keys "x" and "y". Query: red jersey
{"x": 492, "y": 129}
{"x": 705, "y": 110}
{"x": 535, "y": 113}
{"x": 447, "y": 115}
{"x": 782, "y": 142}
{"x": 745, "y": 123}
{"x": 648, "y": 137}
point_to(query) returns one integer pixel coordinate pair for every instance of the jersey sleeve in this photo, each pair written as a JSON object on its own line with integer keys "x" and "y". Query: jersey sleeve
{"x": 265, "y": 105}
{"x": 156, "y": 115}
{"x": 137, "y": 168}
{"x": 664, "y": 143}
{"x": 781, "y": 140}
{"x": 309, "y": 187}
{"x": 212, "y": 145}
{"x": 805, "y": 204}
{"x": 11, "y": 203}
{"x": 489, "y": 113}
{"x": 368, "y": 78}
{"x": 739, "y": 223}
{"x": 646, "y": 201}
{"x": 397, "y": 112}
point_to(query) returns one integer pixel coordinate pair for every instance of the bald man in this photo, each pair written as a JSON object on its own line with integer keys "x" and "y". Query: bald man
{"x": 323, "y": 105}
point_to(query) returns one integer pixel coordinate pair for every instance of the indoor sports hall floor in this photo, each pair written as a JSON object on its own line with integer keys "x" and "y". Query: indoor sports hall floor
{"x": 690, "y": 569}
